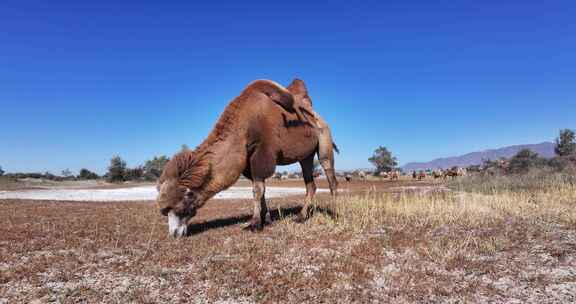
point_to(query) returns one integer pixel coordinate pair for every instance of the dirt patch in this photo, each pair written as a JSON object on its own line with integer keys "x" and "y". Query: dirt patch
{"x": 135, "y": 194}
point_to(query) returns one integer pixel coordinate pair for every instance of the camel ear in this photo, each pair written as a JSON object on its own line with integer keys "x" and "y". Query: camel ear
{"x": 297, "y": 87}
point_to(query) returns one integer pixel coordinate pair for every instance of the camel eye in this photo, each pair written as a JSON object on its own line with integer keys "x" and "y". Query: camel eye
{"x": 190, "y": 194}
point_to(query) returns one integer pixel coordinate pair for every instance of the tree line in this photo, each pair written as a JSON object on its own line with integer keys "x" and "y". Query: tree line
{"x": 522, "y": 162}
{"x": 149, "y": 171}
{"x": 117, "y": 171}
{"x": 382, "y": 159}
{"x": 526, "y": 160}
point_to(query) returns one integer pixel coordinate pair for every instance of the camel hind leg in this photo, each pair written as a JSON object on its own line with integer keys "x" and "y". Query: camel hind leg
{"x": 307, "y": 165}
{"x": 326, "y": 157}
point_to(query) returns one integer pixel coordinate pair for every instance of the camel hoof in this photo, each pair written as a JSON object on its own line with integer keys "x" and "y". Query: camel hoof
{"x": 254, "y": 226}
{"x": 300, "y": 218}
{"x": 267, "y": 219}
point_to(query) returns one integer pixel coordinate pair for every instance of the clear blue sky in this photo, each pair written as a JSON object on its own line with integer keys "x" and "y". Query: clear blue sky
{"x": 82, "y": 81}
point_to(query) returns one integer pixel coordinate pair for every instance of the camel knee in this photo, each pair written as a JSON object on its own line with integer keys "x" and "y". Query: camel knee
{"x": 327, "y": 164}
{"x": 310, "y": 189}
{"x": 258, "y": 190}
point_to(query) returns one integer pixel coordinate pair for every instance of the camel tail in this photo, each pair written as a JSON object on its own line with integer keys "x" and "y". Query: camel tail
{"x": 335, "y": 147}
{"x": 326, "y": 148}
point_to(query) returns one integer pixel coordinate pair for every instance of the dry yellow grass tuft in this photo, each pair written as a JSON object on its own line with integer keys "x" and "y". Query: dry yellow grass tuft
{"x": 554, "y": 204}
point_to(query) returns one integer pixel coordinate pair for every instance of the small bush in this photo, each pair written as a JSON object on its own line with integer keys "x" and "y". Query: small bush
{"x": 525, "y": 160}
{"x": 87, "y": 174}
{"x": 134, "y": 174}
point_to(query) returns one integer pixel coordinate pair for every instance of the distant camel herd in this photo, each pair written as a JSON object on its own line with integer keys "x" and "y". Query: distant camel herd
{"x": 392, "y": 175}
{"x": 440, "y": 173}
{"x": 417, "y": 175}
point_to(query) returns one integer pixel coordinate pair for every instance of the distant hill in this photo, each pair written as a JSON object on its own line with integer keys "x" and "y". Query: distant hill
{"x": 545, "y": 149}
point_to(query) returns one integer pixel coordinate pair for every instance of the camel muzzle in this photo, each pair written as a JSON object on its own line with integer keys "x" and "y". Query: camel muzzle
{"x": 177, "y": 225}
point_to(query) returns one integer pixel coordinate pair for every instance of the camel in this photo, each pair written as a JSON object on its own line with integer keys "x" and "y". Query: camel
{"x": 452, "y": 172}
{"x": 362, "y": 175}
{"x": 461, "y": 171}
{"x": 394, "y": 175}
{"x": 421, "y": 175}
{"x": 348, "y": 178}
{"x": 437, "y": 173}
{"x": 258, "y": 130}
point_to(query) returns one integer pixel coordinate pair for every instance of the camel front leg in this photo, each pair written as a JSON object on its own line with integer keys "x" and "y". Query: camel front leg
{"x": 261, "y": 214}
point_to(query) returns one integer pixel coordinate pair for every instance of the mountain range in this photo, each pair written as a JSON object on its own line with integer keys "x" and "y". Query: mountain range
{"x": 545, "y": 149}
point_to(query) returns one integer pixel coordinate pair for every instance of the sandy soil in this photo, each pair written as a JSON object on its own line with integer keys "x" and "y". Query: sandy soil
{"x": 99, "y": 191}
{"x": 144, "y": 193}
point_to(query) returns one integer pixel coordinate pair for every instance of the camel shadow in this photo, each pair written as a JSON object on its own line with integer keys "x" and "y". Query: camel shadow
{"x": 275, "y": 215}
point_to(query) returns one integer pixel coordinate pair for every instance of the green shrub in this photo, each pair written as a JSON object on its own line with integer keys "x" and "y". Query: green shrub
{"x": 134, "y": 174}
{"x": 565, "y": 143}
{"x": 153, "y": 168}
{"x": 525, "y": 160}
{"x": 87, "y": 174}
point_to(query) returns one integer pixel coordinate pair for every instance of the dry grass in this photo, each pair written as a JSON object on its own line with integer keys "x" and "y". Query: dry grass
{"x": 7, "y": 183}
{"x": 371, "y": 245}
{"x": 536, "y": 180}
{"x": 553, "y": 203}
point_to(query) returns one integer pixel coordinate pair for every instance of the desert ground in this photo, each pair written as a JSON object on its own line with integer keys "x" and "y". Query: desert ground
{"x": 379, "y": 242}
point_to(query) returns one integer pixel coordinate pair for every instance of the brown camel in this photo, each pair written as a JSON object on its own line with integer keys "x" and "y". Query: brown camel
{"x": 421, "y": 175}
{"x": 257, "y": 131}
{"x": 437, "y": 173}
{"x": 394, "y": 175}
{"x": 362, "y": 176}
{"x": 451, "y": 172}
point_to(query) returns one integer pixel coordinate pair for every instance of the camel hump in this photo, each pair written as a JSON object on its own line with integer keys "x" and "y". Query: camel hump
{"x": 285, "y": 98}
{"x": 297, "y": 86}
{"x": 275, "y": 92}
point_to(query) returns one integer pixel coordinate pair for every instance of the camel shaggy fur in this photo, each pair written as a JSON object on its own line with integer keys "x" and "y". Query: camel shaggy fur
{"x": 265, "y": 126}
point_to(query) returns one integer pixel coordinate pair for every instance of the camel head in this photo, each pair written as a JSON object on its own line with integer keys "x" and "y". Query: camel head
{"x": 181, "y": 190}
